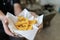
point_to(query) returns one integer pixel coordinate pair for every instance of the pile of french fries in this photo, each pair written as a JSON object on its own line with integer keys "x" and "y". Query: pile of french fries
{"x": 24, "y": 23}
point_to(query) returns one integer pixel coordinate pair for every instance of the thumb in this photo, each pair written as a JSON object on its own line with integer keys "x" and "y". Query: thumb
{"x": 5, "y": 20}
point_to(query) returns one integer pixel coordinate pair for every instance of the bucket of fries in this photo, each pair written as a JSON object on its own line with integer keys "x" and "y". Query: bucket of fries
{"x": 25, "y": 24}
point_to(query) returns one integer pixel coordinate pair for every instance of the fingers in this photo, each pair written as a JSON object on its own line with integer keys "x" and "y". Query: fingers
{"x": 34, "y": 14}
{"x": 5, "y": 26}
{"x": 6, "y": 29}
{"x": 9, "y": 33}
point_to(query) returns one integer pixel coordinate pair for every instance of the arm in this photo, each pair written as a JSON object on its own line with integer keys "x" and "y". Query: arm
{"x": 1, "y": 15}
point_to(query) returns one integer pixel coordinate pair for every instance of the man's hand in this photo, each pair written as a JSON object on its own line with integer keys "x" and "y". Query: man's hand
{"x": 5, "y": 26}
{"x": 6, "y": 29}
{"x": 4, "y": 20}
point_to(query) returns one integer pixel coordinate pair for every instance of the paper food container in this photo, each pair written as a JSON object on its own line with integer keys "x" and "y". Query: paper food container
{"x": 29, "y": 34}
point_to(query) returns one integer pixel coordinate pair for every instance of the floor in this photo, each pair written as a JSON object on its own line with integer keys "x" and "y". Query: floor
{"x": 52, "y": 32}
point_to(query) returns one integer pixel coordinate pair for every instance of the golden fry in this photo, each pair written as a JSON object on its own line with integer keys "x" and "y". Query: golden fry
{"x": 24, "y": 23}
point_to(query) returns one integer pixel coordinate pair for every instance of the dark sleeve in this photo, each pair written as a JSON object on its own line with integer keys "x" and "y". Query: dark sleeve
{"x": 16, "y": 1}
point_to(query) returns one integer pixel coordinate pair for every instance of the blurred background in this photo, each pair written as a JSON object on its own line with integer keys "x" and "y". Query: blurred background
{"x": 29, "y": 3}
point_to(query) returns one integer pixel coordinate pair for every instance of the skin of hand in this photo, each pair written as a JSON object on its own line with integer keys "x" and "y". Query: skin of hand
{"x": 7, "y": 30}
{"x": 4, "y": 20}
{"x": 17, "y": 9}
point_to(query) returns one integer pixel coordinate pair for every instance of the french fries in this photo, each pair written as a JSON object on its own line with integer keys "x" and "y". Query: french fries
{"x": 24, "y": 23}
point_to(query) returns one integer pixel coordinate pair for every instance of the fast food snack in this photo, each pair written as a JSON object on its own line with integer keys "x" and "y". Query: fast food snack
{"x": 24, "y": 23}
